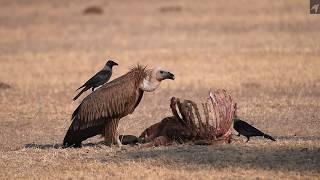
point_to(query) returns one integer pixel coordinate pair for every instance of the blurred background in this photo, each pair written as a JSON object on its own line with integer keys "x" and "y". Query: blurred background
{"x": 266, "y": 53}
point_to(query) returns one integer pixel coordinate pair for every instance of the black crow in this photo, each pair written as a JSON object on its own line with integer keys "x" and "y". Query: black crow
{"x": 129, "y": 139}
{"x": 98, "y": 79}
{"x": 245, "y": 129}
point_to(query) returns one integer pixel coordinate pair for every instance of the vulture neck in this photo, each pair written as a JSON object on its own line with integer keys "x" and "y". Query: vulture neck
{"x": 149, "y": 83}
{"x": 149, "y": 86}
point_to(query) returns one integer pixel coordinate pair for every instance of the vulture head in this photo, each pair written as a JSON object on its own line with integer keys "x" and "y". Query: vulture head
{"x": 153, "y": 79}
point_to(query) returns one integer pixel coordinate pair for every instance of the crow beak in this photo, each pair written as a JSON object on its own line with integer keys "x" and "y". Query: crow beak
{"x": 115, "y": 64}
{"x": 169, "y": 75}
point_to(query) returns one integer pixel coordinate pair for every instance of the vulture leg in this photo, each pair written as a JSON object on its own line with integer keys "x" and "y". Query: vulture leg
{"x": 111, "y": 135}
{"x": 117, "y": 139}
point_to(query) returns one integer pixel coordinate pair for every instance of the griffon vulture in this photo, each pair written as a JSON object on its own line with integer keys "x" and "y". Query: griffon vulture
{"x": 100, "y": 112}
{"x": 98, "y": 79}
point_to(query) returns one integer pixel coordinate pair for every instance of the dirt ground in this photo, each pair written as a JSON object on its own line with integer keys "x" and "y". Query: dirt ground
{"x": 265, "y": 53}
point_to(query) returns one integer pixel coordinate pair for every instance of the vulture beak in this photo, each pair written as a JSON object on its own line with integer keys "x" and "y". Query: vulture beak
{"x": 169, "y": 75}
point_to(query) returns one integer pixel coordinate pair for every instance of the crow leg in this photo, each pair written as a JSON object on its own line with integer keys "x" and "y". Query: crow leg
{"x": 77, "y": 145}
{"x": 248, "y": 138}
{"x": 238, "y": 134}
{"x": 92, "y": 89}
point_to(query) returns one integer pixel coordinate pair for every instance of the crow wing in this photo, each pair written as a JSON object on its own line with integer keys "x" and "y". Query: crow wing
{"x": 246, "y": 129}
{"x": 98, "y": 79}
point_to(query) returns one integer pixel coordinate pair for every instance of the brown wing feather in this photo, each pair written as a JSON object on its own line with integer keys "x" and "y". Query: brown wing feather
{"x": 113, "y": 100}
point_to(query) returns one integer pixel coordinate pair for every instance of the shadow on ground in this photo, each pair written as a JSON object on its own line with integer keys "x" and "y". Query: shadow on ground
{"x": 253, "y": 155}
{"x": 43, "y": 146}
{"x": 59, "y": 146}
{"x": 101, "y": 143}
{"x": 249, "y": 157}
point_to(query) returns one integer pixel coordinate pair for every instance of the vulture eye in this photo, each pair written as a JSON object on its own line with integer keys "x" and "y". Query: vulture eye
{"x": 161, "y": 72}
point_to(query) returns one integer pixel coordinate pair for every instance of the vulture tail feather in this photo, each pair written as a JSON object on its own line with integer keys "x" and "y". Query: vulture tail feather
{"x": 74, "y": 137}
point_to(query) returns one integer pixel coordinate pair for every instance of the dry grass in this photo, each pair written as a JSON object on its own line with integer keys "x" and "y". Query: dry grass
{"x": 266, "y": 53}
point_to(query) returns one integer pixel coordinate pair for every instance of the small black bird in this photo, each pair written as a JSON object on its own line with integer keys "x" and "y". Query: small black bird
{"x": 129, "y": 139}
{"x": 245, "y": 129}
{"x": 98, "y": 79}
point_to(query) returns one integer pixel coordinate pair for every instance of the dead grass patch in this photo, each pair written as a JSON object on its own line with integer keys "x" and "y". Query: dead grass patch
{"x": 47, "y": 50}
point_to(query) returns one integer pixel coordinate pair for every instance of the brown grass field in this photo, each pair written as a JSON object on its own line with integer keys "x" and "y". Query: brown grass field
{"x": 265, "y": 53}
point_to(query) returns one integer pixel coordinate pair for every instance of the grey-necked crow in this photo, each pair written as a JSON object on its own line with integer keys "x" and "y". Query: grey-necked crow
{"x": 98, "y": 79}
{"x": 245, "y": 129}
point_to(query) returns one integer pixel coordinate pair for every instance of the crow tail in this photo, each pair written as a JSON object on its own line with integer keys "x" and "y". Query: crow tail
{"x": 268, "y": 137}
{"x": 82, "y": 91}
